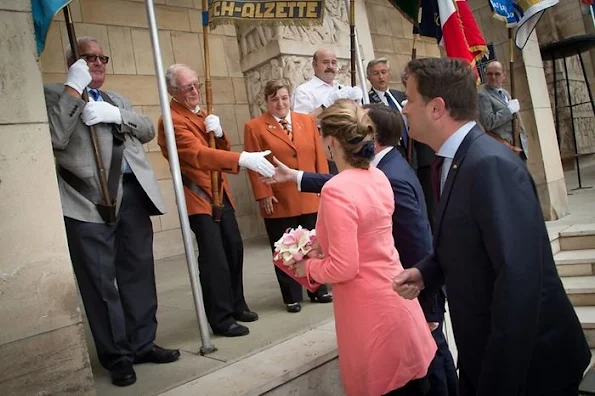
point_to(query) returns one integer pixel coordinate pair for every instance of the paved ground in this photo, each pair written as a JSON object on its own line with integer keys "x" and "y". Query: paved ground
{"x": 178, "y": 325}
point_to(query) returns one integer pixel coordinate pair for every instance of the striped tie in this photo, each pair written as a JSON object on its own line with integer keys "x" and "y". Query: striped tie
{"x": 287, "y": 128}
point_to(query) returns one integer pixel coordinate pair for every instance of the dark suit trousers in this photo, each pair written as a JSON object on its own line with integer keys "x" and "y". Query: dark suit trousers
{"x": 290, "y": 289}
{"x": 115, "y": 271}
{"x": 220, "y": 264}
{"x": 442, "y": 373}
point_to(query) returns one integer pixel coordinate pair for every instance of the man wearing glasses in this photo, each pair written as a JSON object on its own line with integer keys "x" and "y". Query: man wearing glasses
{"x": 113, "y": 261}
{"x": 220, "y": 246}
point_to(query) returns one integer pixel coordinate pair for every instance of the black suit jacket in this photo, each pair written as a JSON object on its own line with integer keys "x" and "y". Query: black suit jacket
{"x": 411, "y": 229}
{"x": 515, "y": 329}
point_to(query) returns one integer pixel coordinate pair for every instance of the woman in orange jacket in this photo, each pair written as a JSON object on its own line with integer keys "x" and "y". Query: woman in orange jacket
{"x": 294, "y": 139}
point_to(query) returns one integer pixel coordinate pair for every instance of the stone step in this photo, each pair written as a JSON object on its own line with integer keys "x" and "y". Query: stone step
{"x": 580, "y": 290}
{"x": 586, "y": 315}
{"x": 578, "y": 237}
{"x": 575, "y": 262}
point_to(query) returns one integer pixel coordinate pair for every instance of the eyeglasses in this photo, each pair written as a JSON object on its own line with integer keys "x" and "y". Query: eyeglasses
{"x": 190, "y": 87}
{"x": 92, "y": 58}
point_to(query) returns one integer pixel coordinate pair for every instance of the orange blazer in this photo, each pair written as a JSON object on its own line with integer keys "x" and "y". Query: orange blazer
{"x": 196, "y": 158}
{"x": 304, "y": 153}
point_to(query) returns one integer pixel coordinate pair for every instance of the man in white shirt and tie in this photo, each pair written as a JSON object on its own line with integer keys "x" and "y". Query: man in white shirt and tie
{"x": 496, "y": 107}
{"x": 322, "y": 90}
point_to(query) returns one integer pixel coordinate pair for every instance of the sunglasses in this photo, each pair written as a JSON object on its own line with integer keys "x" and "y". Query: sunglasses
{"x": 190, "y": 87}
{"x": 90, "y": 58}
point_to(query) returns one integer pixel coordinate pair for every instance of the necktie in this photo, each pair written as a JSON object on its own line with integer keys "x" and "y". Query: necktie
{"x": 94, "y": 94}
{"x": 287, "y": 128}
{"x": 503, "y": 95}
{"x": 393, "y": 105}
{"x": 436, "y": 174}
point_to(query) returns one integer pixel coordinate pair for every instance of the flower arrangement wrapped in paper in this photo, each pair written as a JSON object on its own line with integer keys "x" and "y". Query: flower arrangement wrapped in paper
{"x": 295, "y": 245}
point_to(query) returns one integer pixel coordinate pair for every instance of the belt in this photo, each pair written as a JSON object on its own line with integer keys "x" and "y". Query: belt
{"x": 196, "y": 189}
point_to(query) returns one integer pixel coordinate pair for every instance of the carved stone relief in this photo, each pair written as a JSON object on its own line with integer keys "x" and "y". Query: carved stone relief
{"x": 294, "y": 70}
{"x": 334, "y": 29}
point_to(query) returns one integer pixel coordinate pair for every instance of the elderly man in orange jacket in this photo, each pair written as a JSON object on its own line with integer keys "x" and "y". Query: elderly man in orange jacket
{"x": 221, "y": 251}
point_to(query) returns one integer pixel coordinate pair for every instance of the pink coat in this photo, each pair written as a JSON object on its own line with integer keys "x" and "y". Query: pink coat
{"x": 383, "y": 339}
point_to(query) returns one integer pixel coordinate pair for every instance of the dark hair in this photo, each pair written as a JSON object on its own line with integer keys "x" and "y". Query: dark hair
{"x": 388, "y": 121}
{"x": 273, "y": 86}
{"x": 451, "y": 79}
{"x": 354, "y": 130}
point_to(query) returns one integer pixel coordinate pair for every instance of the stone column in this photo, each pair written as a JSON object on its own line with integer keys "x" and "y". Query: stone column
{"x": 536, "y": 111}
{"x": 42, "y": 340}
{"x": 285, "y": 52}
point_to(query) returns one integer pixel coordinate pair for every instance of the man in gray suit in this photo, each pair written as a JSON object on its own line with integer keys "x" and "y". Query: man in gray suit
{"x": 112, "y": 260}
{"x": 496, "y": 108}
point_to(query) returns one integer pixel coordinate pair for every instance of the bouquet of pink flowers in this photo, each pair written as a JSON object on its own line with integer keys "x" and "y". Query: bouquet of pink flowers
{"x": 295, "y": 245}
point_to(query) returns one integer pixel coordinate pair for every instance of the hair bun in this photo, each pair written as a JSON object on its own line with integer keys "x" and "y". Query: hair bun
{"x": 367, "y": 150}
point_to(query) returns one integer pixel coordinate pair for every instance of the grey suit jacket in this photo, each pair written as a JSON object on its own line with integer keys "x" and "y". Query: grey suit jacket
{"x": 71, "y": 142}
{"x": 495, "y": 116}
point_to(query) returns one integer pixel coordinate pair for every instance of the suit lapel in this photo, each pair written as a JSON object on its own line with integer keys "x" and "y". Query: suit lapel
{"x": 274, "y": 128}
{"x": 387, "y": 157}
{"x": 194, "y": 118}
{"x": 452, "y": 175}
{"x": 495, "y": 94}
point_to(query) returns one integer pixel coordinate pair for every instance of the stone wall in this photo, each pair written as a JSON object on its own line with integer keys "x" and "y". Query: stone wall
{"x": 42, "y": 345}
{"x": 121, "y": 26}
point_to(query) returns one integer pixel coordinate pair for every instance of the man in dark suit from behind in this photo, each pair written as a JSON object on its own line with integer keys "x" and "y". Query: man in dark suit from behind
{"x": 379, "y": 74}
{"x": 411, "y": 230}
{"x": 515, "y": 328}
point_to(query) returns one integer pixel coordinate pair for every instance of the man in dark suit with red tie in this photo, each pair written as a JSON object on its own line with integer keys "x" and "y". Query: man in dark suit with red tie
{"x": 515, "y": 328}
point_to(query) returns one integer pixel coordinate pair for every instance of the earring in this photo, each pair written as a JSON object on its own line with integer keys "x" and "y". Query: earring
{"x": 330, "y": 152}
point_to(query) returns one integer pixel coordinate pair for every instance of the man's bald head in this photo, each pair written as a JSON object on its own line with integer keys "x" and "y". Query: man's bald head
{"x": 495, "y": 74}
{"x": 324, "y": 63}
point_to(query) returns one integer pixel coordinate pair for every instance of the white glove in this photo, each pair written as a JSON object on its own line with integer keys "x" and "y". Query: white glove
{"x": 257, "y": 163}
{"x": 96, "y": 112}
{"x": 356, "y": 93}
{"x": 513, "y": 105}
{"x": 344, "y": 93}
{"x": 78, "y": 76}
{"x": 212, "y": 123}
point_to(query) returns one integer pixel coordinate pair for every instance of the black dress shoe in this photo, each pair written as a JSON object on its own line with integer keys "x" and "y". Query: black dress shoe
{"x": 246, "y": 316}
{"x": 323, "y": 299}
{"x": 159, "y": 355}
{"x": 235, "y": 330}
{"x": 123, "y": 374}
{"x": 294, "y": 308}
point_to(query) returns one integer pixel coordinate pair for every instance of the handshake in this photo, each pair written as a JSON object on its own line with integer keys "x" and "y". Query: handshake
{"x": 353, "y": 93}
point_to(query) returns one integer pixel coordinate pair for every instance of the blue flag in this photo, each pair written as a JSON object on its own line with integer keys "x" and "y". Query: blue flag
{"x": 429, "y": 22}
{"x": 522, "y": 14}
{"x": 43, "y": 13}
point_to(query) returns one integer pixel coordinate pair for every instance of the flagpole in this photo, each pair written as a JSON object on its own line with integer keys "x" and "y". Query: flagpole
{"x": 107, "y": 200}
{"x": 217, "y": 206}
{"x": 174, "y": 165}
{"x": 352, "y": 37}
{"x": 516, "y": 130}
{"x": 358, "y": 57}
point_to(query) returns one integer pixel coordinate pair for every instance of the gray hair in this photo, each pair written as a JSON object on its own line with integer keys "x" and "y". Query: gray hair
{"x": 376, "y": 61}
{"x": 172, "y": 71}
{"x": 80, "y": 42}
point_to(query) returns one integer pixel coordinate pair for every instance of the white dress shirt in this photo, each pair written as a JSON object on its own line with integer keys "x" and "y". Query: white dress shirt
{"x": 449, "y": 149}
{"x": 380, "y": 155}
{"x": 311, "y": 94}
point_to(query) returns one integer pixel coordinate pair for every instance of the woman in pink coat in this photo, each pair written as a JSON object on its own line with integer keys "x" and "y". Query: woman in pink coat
{"x": 385, "y": 345}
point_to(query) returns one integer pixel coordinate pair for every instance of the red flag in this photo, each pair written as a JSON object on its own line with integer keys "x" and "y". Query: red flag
{"x": 475, "y": 41}
{"x": 453, "y": 35}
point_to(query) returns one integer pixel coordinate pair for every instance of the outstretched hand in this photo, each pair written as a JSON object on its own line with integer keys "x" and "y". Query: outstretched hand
{"x": 409, "y": 283}
{"x": 283, "y": 174}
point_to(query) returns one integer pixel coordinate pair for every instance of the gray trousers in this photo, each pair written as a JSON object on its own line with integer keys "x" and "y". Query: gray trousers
{"x": 115, "y": 272}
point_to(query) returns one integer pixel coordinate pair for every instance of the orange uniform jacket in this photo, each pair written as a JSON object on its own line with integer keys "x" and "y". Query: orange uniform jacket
{"x": 304, "y": 153}
{"x": 196, "y": 158}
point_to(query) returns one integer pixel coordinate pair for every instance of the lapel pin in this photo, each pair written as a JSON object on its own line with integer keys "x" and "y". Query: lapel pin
{"x": 455, "y": 166}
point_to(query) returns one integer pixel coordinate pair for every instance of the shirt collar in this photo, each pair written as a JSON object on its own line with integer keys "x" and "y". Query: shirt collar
{"x": 379, "y": 92}
{"x": 196, "y": 110}
{"x": 287, "y": 118}
{"x": 319, "y": 82}
{"x": 380, "y": 155}
{"x": 451, "y": 145}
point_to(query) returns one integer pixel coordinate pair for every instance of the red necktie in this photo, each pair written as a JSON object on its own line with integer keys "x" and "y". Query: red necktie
{"x": 436, "y": 172}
